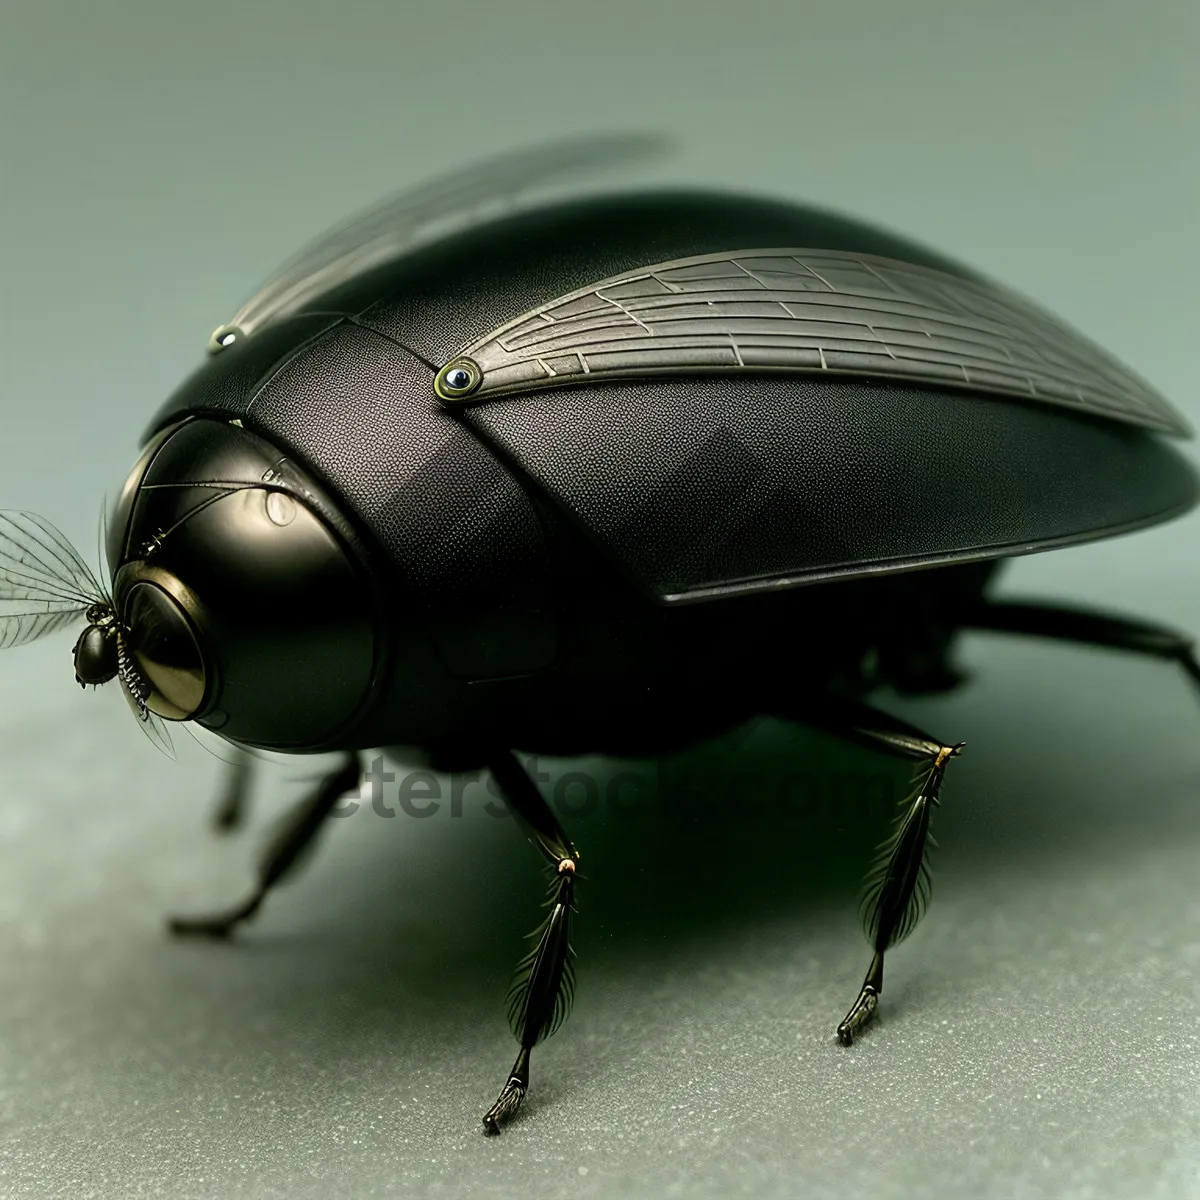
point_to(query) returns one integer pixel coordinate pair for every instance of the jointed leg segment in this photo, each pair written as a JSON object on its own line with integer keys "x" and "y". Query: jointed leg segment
{"x": 281, "y": 854}
{"x": 1062, "y": 623}
{"x": 898, "y": 886}
{"x": 233, "y": 802}
{"x": 541, "y": 993}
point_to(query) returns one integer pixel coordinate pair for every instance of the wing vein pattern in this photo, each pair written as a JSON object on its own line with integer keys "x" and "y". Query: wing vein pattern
{"x": 799, "y": 310}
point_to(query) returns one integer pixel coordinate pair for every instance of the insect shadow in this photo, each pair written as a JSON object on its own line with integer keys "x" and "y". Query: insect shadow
{"x": 773, "y": 822}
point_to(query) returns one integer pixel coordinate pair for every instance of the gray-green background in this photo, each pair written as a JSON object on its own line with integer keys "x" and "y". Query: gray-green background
{"x": 1039, "y": 1031}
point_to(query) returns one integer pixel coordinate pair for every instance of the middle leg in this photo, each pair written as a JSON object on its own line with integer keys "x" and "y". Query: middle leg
{"x": 544, "y": 985}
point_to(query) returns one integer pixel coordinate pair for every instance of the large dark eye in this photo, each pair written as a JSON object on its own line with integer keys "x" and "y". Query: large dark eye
{"x": 165, "y": 651}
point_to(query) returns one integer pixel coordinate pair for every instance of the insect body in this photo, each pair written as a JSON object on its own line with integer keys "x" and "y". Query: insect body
{"x": 610, "y": 475}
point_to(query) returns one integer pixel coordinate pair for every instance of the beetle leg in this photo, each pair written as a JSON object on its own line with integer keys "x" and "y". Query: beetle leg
{"x": 232, "y": 803}
{"x": 281, "y": 853}
{"x": 898, "y": 885}
{"x": 541, "y": 993}
{"x": 1063, "y": 623}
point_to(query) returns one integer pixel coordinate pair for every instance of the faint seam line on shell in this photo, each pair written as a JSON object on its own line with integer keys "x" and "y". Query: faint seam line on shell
{"x": 387, "y": 337}
{"x": 274, "y": 371}
{"x": 993, "y": 550}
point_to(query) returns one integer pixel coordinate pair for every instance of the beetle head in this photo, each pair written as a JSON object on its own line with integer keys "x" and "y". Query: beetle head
{"x": 96, "y": 658}
{"x": 241, "y": 592}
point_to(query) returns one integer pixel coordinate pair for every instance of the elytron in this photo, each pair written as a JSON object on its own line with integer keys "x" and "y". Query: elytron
{"x": 609, "y": 474}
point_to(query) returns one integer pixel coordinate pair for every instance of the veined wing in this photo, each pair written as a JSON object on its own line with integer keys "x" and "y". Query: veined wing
{"x": 44, "y": 584}
{"x": 418, "y": 214}
{"x": 806, "y": 311}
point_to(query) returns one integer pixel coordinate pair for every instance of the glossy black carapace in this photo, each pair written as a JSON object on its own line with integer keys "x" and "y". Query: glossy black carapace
{"x": 602, "y": 475}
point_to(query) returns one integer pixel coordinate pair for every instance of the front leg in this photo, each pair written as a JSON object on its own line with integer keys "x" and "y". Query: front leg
{"x": 544, "y": 985}
{"x": 281, "y": 854}
{"x": 233, "y": 803}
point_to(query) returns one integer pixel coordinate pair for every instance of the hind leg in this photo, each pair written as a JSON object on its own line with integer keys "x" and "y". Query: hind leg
{"x": 1089, "y": 628}
{"x": 898, "y": 885}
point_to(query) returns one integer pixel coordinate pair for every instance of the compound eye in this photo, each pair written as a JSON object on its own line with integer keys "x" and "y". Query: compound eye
{"x": 166, "y": 652}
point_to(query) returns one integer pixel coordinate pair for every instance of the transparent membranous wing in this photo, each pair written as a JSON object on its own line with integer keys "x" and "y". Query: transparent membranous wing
{"x": 44, "y": 584}
{"x": 429, "y": 210}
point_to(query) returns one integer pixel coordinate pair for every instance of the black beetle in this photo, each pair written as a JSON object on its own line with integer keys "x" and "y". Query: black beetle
{"x": 600, "y": 476}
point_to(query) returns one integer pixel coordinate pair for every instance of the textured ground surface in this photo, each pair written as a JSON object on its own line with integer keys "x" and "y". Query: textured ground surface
{"x": 1038, "y": 1035}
